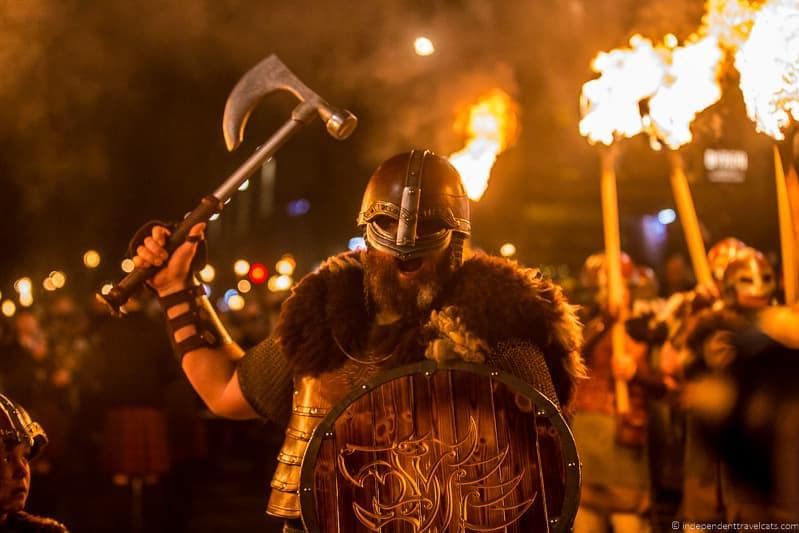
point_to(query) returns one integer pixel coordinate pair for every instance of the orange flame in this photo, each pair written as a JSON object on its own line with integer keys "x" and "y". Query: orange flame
{"x": 492, "y": 125}
{"x": 610, "y": 103}
{"x": 729, "y": 21}
{"x": 768, "y": 62}
{"x": 689, "y": 86}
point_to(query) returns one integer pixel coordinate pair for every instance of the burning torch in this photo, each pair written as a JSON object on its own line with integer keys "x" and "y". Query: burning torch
{"x": 689, "y": 87}
{"x": 610, "y": 112}
{"x": 768, "y": 62}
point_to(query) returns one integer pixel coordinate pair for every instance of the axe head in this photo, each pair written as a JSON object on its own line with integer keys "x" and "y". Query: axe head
{"x": 266, "y": 77}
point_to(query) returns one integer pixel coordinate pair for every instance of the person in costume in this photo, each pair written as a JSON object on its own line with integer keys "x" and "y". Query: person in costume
{"x": 709, "y": 492}
{"x": 408, "y": 296}
{"x": 613, "y": 445}
{"x": 23, "y": 440}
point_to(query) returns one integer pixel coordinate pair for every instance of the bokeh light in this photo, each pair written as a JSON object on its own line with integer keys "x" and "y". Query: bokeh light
{"x": 286, "y": 265}
{"x": 258, "y": 273}
{"x": 207, "y": 274}
{"x": 507, "y": 250}
{"x": 9, "y": 308}
{"x": 244, "y": 286}
{"x": 58, "y": 278}
{"x": 91, "y": 259}
{"x": 241, "y": 267}
{"x": 236, "y": 302}
{"x": 423, "y": 46}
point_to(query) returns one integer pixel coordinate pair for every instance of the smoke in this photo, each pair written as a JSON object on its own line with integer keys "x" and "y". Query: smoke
{"x": 131, "y": 92}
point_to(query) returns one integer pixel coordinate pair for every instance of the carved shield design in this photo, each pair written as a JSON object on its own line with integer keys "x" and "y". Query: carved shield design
{"x": 439, "y": 448}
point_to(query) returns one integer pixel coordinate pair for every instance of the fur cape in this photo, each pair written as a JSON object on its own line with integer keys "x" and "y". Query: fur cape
{"x": 496, "y": 300}
{"x": 703, "y": 326}
{"x": 23, "y": 522}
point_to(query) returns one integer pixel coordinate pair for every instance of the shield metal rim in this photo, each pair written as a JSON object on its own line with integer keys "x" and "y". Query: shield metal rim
{"x": 543, "y": 405}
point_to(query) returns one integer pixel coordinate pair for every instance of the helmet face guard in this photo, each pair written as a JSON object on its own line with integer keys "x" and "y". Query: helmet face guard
{"x": 749, "y": 281}
{"x": 16, "y": 427}
{"x": 413, "y": 191}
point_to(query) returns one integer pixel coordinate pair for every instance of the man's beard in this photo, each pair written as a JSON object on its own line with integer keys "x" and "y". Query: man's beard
{"x": 408, "y": 298}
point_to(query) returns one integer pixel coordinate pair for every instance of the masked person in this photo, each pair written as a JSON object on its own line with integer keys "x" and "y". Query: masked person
{"x": 23, "y": 440}
{"x": 408, "y": 296}
{"x": 709, "y": 492}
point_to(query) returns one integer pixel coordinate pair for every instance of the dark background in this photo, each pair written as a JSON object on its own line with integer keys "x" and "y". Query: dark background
{"x": 111, "y": 116}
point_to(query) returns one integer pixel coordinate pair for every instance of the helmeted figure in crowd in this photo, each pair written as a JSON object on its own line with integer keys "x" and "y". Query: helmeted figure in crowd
{"x": 23, "y": 440}
{"x": 615, "y": 492}
{"x": 709, "y": 493}
{"x": 673, "y": 321}
{"x": 408, "y": 296}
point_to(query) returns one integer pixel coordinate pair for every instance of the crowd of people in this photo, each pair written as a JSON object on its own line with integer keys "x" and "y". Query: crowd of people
{"x": 124, "y": 427}
{"x": 686, "y": 411}
{"x": 700, "y": 441}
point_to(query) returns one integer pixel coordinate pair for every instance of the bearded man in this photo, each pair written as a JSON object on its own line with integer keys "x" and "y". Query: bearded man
{"x": 408, "y": 296}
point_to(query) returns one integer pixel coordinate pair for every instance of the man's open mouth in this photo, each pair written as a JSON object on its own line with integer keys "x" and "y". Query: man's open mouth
{"x": 410, "y": 266}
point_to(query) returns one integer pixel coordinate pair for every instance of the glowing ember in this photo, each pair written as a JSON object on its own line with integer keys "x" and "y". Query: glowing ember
{"x": 610, "y": 103}
{"x": 769, "y": 65}
{"x": 689, "y": 86}
{"x": 492, "y": 126}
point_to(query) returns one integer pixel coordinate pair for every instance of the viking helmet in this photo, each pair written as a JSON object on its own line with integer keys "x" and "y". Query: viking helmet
{"x": 722, "y": 254}
{"x": 17, "y": 427}
{"x": 594, "y": 276}
{"x": 414, "y": 205}
{"x": 749, "y": 280}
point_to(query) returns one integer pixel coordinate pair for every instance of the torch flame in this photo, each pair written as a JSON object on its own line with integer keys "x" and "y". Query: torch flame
{"x": 689, "y": 86}
{"x": 729, "y": 21}
{"x": 610, "y": 103}
{"x": 492, "y": 125}
{"x": 769, "y": 66}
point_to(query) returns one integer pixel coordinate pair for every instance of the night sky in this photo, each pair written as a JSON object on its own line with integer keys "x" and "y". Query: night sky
{"x": 111, "y": 116}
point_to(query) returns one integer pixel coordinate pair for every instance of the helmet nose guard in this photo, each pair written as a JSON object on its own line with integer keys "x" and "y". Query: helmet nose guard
{"x": 409, "y": 188}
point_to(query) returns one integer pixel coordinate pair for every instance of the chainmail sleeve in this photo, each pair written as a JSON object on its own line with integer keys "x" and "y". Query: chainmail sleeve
{"x": 266, "y": 382}
{"x": 525, "y": 361}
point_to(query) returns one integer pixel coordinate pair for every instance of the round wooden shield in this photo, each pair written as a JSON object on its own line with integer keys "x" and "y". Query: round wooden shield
{"x": 441, "y": 447}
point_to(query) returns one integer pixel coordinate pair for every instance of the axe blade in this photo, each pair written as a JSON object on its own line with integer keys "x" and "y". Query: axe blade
{"x": 266, "y": 77}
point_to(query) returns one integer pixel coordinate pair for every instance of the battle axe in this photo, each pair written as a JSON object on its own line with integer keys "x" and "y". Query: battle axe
{"x": 268, "y": 76}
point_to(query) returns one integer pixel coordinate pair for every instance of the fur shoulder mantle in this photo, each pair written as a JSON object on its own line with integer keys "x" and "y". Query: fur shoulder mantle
{"x": 499, "y": 300}
{"x": 495, "y": 299}
{"x": 23, "y": 522}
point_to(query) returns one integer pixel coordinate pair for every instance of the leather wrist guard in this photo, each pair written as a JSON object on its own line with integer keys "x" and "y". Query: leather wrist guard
{"x": 208, "y": 331}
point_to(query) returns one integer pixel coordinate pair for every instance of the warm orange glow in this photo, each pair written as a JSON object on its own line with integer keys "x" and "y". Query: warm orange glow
{"x": 491, "y": 126}
{"x": 236, "y": 302}
{"x": 768, "y": 62}
{"x": 610, "y": 104}
{"x": 9, "y": 308}
{"x": 207, "y": 274}
{"x": 507, "y": 250}
{"x": 423, "y": 46}
{"x": 279, "y": 283}
{"x": 729, "y": 21}
{"x": 689, "y": 86}
{"x": 91, "y": 259}
{"x": 286, "y": 265}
